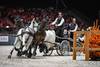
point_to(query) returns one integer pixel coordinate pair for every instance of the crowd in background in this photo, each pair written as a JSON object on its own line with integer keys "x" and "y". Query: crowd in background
{"x": 16, "y": 18}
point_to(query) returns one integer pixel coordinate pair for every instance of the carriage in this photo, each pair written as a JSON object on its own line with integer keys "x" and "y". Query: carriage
{"x": 62, "y": 45}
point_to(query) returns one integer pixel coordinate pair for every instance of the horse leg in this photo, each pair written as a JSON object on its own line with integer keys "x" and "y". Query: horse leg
{"x": 27, "y": 45}
{"x": 42, "y": 47}
{"x": 46, "y": 49}
{"x": 14, "y": 48}
{"x": 25, "y": 42}
{"x": 16, "y": 41}
{"x": 34, "y": 52}
{"x": 18, "y": 46}
{"x": 29, "y": 54}
{"x": 30, "y": 46}
{"x": 19, "y": 53}
{"x": 9, "y": 56}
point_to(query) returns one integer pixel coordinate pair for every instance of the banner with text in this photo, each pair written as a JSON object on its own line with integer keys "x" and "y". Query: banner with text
{"x": 4, "y": 38}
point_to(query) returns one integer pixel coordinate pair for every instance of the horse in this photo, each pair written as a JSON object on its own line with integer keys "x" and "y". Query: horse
{"x": 24, "y": 38}
{"x": 27, "y": 39}
{"x": 44, "y": 39}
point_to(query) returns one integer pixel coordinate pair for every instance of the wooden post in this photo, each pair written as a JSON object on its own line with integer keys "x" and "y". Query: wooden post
{"x": 96, "y": 23}
{"x": 87, "y": 34}
{"x": 74, "y": 46}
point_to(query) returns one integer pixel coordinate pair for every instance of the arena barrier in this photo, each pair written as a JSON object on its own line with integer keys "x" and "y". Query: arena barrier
{"x": 6, "y": 39}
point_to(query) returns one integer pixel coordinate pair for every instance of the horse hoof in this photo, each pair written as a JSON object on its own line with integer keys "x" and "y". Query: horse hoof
{"x": 34, "y": 54}
{"x": 9, "y": 57}
{"x": 44, "y": 55}
{"x": 29, "y": 56}
{"x": 19, "y": 54}
{"x": 24, "y": 52}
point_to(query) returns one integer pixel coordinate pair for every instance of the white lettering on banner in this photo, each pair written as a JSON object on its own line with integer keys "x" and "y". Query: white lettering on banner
{"x": 3, "y": 38}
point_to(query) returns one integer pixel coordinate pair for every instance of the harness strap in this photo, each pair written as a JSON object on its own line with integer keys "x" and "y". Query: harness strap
{"x": 31, "y": 29}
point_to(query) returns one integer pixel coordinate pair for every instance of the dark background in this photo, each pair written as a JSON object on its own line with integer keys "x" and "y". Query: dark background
{"x": 90, "y": 8}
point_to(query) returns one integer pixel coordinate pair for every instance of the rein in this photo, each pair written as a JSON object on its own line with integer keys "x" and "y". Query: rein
{"x": 48, "y": 42}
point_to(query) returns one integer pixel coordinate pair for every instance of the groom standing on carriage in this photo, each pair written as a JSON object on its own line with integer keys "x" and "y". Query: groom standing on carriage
{"x": 58, "y": 23}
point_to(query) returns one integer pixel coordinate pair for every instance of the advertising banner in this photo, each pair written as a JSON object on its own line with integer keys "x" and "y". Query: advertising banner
{"x": 4, "y": 38}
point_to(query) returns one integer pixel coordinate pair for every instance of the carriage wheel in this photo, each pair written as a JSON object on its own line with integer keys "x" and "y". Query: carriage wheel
{"x": 64, "y": 48}
{"x": 47, "y": 52}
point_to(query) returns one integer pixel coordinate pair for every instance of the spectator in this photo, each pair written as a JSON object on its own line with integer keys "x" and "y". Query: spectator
{"x": 66, "y": 27}
{"x": 73, "y": 26}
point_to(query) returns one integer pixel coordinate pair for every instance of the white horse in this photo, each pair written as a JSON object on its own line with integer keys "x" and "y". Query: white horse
{"x": 28, "y": 37}
{"x": 18, "y": 39}
{"x": 24, "y": 37}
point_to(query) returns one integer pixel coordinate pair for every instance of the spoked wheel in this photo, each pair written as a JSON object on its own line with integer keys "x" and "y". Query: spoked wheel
{"x": 64, "y": 48}
{"x": 48, "y": 52}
